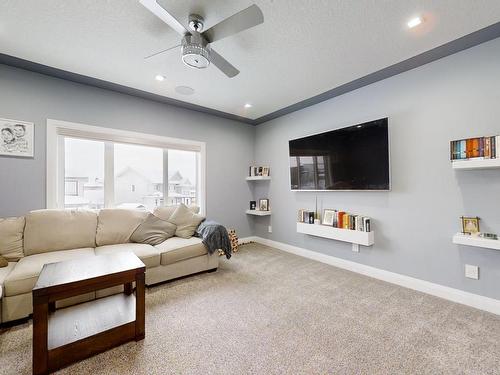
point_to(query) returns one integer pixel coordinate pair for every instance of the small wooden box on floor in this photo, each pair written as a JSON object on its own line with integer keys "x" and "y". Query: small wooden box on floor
{"x": 67, "y": 335}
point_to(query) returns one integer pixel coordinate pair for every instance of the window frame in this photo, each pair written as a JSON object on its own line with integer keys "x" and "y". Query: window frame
{"x": 57, "y": 130}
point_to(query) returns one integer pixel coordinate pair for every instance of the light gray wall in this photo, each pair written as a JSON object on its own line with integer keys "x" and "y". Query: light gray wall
{"x": 456, "y": 97}
{"x": 33, "y": 97}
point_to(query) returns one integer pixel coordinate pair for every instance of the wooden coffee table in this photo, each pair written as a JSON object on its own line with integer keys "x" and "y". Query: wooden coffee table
{"x": 67, "y": 335}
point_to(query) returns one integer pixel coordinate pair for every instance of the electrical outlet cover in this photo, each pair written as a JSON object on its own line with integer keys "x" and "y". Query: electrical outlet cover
{"x": 472, "y": 272}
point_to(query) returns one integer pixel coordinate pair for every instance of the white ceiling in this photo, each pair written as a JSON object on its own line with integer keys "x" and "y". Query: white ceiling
{"x": 304, "y": 47}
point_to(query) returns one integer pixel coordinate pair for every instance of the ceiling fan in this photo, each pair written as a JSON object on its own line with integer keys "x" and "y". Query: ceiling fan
{"x": 195, "y": 45}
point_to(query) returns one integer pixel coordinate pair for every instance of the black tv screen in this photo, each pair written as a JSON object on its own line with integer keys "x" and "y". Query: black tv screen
{"x": 352, "y": 158}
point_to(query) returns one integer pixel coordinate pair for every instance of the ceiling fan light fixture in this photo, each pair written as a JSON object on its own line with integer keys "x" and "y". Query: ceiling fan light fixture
{"x": 195, "y": 52}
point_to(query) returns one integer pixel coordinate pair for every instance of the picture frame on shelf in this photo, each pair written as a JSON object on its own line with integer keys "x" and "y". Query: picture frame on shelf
{"x": 263, "y": 204}
{"x": 253, "y": 205}
{"x": 470, "y": 225}
{"x": 328, "y": 217}
{"x": 265, "y": 171}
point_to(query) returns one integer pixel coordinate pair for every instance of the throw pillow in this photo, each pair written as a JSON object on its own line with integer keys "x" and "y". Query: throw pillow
{"x": 153, "y": 231}
{"x": 165, "y": 212}
{"x": 3, "y": 262}
{"x": 11, "y": 238}
{"x": 186, "y": 220}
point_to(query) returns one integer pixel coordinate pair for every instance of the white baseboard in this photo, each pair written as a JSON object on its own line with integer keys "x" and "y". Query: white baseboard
{"x": 473, "y": 300}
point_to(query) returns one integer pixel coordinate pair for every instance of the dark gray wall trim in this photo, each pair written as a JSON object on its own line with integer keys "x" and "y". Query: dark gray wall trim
{"x": 457, "y": 45}
{"x": 79, "y": 78}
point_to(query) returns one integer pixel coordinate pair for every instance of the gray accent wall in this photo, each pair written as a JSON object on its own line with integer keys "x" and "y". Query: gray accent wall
{"x": 452, "y": 98}
{"x": 34, "y": 97}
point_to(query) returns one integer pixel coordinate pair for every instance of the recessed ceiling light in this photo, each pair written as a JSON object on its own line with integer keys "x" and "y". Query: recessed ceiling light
{"x": 184, "y": 90}
{"x": 414, "y": 22}
{"x": 248, "y": 105}
{"x": 160, "y": 78}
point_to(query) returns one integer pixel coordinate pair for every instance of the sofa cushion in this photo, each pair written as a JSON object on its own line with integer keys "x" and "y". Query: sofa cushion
{"x": 116, "y": 225}
{"x": 23, "y": 277}
{"x": 146, "y": 253}
{"x": 153, "y": 231}
{"x": 11, "y": 238}
{"x": 52, "y": 230}
{"x": 4, "y": 272}
{"x": 186, "y": 221}
{"x": 165, "y": 212}
{"x": 176, "y": 249}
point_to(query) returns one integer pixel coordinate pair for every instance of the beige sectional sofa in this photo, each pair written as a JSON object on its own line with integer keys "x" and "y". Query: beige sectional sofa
{"x": 47, "y": 236}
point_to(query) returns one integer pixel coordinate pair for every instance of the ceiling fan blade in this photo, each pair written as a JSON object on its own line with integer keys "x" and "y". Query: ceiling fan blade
{"x": 160, "y": 52}
{"x": 154, "y": 7}
{"x": 247, "y": 18}
{"x": 223, "y": 65}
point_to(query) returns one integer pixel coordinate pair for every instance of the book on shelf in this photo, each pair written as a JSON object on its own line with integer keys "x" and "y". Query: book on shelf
{"x": 340, "y": 219}
{"x": 475, "y": 148}
{"x": 305, "y": 216}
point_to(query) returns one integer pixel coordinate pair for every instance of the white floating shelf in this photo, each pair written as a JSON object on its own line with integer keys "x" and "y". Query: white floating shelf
{"x": 258, "y": 213}
{"x": 475, "y": 164}
{"x": 465, "y": 239}
{"x": 258, "y": 178}
{"x": 346, "y": 235}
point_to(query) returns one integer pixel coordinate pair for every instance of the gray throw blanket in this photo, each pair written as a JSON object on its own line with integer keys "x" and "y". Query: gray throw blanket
{"x": 214, "y": 236}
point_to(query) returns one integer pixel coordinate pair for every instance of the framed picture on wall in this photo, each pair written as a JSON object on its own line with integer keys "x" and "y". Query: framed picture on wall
{"x": 17, "y": 138}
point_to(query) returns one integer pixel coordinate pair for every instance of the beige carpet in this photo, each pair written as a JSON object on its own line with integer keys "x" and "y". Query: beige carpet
{"x": 269, "y": 312}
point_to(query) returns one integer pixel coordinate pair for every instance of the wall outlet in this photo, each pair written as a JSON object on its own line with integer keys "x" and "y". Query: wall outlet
{"x": 472, "y": 272}
{"x": 270, "y": 229}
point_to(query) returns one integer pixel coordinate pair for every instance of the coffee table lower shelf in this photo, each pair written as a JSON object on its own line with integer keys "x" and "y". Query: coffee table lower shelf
{"x": 89, "y": 328}
{"x": 71, "y": 324}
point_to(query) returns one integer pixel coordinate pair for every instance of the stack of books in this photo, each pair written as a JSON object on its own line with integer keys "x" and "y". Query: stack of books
{"x": 305, "y": 216}
{"x": 475, "y": 148}
{"x": 346, "y": 220}
{"x": 254, "y": 171}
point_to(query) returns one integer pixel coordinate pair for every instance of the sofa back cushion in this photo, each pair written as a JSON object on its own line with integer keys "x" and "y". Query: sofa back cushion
{"x": 53, "y": 230}
{"x": 116, "y": 225}
{"x": 166, "y": 212}
{"x": 11, "y": 238}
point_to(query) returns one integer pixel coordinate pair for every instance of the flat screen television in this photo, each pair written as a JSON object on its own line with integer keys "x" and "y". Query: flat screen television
{"x": 352, "y": 158}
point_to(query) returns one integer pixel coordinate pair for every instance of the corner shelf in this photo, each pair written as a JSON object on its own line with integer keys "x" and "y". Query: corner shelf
{"x": 258, "y": 178}
{"x": 471, "y": 164}
{"x": 258, "y": 213}
{"x": 465, "y": 239}
{"x": 355, "y": 237}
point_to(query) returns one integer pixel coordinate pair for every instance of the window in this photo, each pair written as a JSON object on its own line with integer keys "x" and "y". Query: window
{"x": 138, "y": 170}
{"x": 181, "y": 177}
{"x": 92, "y": 167}
{"x": 83, "y": 173}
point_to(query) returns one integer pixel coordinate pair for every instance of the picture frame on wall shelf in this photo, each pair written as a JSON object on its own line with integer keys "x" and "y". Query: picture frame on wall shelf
{"x": 265, "y": 171}
{"x": 263, "y": 204}
{"x": 253, "y": 205}
{"x": 328, "y": 217}
{"x": 17, "y": 138}
{"x": 470, "y": 225}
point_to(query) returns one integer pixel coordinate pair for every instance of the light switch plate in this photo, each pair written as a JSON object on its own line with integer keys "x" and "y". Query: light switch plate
{"x": 270, "y": 229}
{"x": 472, "y": 272}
